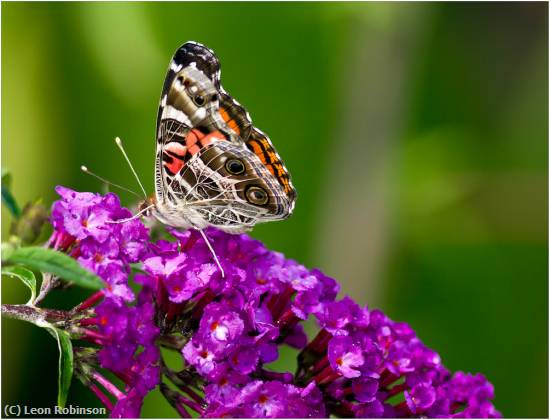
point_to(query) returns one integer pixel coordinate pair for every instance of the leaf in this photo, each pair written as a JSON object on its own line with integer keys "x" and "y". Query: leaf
{"x": 7, "y": 198}
{"x": 65, "y": 373}
{"x": 26, "y": 276}
{"x": 52, "y": 261}
{"x": 65, "y": 367}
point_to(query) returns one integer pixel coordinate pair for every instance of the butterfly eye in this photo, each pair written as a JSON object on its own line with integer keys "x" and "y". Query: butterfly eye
{"x": 199, "y": 100}
{"x": 214, "y": 97}
{"x": 234, "y": 166}
{"x": 257, "y": 195}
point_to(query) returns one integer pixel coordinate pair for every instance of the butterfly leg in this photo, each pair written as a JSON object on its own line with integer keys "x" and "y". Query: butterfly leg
{"x": 212, "y": 251}
{"x": 135, "y": 216}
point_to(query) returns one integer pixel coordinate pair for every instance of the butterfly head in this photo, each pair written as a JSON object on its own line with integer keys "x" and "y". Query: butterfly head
{"x": 145, "y": 208}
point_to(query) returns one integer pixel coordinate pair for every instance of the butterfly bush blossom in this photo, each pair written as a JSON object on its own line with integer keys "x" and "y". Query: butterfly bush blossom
{"x": 228, "y": 330}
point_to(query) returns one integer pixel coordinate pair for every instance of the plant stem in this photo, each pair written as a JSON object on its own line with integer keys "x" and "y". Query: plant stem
{"x": 49, "y": 282}
{"x": 33, "y": 314}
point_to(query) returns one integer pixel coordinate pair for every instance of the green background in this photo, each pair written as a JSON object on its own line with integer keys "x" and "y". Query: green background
{"x": 416, "y": 134}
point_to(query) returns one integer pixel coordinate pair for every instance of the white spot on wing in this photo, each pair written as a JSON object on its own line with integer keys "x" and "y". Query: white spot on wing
{"x": 173, "y": 113}
{"x": 175, "y": 67}
{"x": 200, "y": 114}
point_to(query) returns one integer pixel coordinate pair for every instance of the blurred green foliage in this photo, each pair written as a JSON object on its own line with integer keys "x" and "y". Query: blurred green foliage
{"x": 465, "y": 253}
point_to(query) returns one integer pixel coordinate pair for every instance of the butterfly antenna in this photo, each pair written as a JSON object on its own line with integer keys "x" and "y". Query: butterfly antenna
{"x": 119, "y": 144}
{"x": 87, "y": 171}
{"x": 212, "y": 251}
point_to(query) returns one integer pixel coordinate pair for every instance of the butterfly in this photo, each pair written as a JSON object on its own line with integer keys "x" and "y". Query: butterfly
{"x": 213, "y": 166}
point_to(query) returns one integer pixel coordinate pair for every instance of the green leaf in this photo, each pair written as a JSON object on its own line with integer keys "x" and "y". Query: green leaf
{"x": 65, "y": 374}
{"x": 51, "y": 261}
{"x": 26, "y": 276}
{"x": 65, "y": 367}
{"x": 7, "y": 198}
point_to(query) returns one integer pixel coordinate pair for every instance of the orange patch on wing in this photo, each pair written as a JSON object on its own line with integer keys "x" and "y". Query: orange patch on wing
{"x": 230, "y": 122}
{"x": 193, "y": 137}
{"x": 206, "y": 141}
{"x": 279, "y": 167}
{"x": 264, "y": 150}
{"x": 194, "y": 149}
{"x": 258, "y": 151}
{"x": 174, "y": 166}
{"x": 224, "y": 114}
{"x": 234, "y": 126}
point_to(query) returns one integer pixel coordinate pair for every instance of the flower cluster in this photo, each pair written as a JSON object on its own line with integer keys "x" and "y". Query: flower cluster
{"x": 83, "y": 227}
{"x": 228, "y": 329}
{"x": 238, "y": 322}
{"x": 375, "y": 367}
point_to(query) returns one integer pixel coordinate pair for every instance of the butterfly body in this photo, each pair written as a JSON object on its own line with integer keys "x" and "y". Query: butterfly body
{"x": 213, "y": 167}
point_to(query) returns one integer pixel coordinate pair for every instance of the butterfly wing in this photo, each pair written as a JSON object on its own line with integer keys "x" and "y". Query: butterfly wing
{"x": 213, "y": 167}
{"x": 189, "y": 101}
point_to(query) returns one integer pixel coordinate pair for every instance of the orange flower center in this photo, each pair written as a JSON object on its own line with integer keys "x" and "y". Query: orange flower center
{"x": 263, "y": 399}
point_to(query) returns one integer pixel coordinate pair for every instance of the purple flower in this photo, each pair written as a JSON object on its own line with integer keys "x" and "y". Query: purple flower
{"x": 133, "y": 240}
{"x": 84, "y": 215}
{"x": 244, "y": 359}
{"x": 371, "y": 410}
{"x": 228, "y": 329}
{"x": 365, "y": 389}
{"x": 420, "y": 398}
{"x": 128, "y": 407}
{"x": 345, "y": 356}
{"x": 103, "y": 259}
{"x": 220, "y": 327}
{"x": 263, "y": 400}
{"x": 335, "y": 316}
{"x": 271, "y": 399}
{"x": 112, "y": 317}
{"x": 203, "y": 359}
